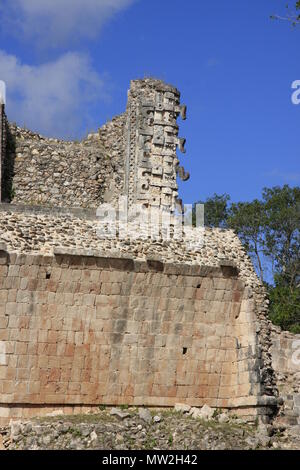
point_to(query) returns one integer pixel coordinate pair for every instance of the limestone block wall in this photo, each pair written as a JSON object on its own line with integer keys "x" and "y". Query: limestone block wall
{"x": 79, "y": 331}
{"x": 286, "y": 363}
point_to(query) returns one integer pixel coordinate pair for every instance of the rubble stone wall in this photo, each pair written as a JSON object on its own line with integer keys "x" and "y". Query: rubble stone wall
{"x": 55, "y": 173}
{"x": 132, "y": 155}
{"x": 82, "y": 331}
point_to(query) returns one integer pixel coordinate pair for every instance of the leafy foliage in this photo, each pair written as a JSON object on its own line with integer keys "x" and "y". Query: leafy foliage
{"x": 216, "y": 210}
{"x": 247, "y": 219}
{"x": 285, "y": 306}
{"x": 282, "y": 231}
{"x": 270, "y": 231}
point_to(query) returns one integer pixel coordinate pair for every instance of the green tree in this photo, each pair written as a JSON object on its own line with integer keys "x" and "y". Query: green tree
{"x": 282, "y": 246}
{"x": 247, "y": 219}
{"x": 269, "y": 230}
{"x": 215, "y": 210}
{"x": 284, "y": 307}
{"x": 282, "y": 231}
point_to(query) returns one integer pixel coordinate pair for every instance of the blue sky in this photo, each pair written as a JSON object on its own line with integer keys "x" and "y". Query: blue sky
{"x": 68, "y": 64}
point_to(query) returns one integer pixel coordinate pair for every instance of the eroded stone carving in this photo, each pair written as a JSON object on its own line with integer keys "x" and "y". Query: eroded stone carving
{"x": 152, "y": 139}
{"x": 2, "y": 131}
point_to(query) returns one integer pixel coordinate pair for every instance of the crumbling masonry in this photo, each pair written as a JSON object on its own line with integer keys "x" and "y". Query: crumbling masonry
{"x": 86, "y": 321}
{"x": 3, "y": 128}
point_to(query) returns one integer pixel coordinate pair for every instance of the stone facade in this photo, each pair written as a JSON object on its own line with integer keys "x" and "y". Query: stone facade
{"x": 56, "y": 173}
{"x": 80, "y": 330}
{"x": 125, "y": 312}
{"x": 87, "y": 320}
{"x": 286, "y": 363}
{"x": 132, "y": 155}
{"x": 152, "y": 138}
{"x": 3, "y": 127}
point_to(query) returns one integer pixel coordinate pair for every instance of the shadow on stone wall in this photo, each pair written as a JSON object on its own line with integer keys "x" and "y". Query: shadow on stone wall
{"x": 8, "y": 167}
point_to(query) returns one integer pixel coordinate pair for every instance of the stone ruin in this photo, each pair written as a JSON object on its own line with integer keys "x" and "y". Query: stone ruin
{"x": 143, "y": 321}
{"x": 3, "y": 125}
{"x": 134, "y": 155}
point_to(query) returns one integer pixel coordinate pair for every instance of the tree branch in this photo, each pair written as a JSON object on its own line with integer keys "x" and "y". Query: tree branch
{"x": 292, "y": 15}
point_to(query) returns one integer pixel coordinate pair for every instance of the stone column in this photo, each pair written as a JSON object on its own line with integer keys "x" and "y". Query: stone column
{"x": 151, "y": 162}
{"x": 2, "y": 131}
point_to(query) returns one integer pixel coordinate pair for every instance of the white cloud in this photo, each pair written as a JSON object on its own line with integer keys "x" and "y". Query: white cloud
{"x": 57, "y": 22}
{"x": 52, "y": 98}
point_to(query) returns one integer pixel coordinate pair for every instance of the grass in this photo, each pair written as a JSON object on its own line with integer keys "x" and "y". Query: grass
{"x": 123, "y": 407}
{"x": 150, "y": 443}
{"x": 76, "y": 419}
{"x": 153, "y": 435}
{"x": 169, "y": 416}
{"x": 75, "y": 432}
{"x": 102, "y": 416}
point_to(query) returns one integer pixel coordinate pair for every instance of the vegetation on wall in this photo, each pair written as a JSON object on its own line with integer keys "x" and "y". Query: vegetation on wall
{"x": 269, "y": 229}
